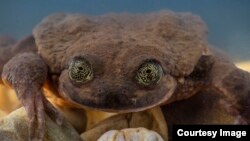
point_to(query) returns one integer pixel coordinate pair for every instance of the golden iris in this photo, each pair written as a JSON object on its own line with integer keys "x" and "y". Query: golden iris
{"x": 149, "y": 73}
{"x": 80, "y": 70}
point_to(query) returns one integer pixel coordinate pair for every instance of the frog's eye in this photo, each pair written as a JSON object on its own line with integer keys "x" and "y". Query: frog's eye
{"x": 80, "y": 70}
{"x": 149, "y": 73}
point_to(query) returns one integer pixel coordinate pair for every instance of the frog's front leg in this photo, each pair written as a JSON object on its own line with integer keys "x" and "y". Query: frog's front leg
{"x": 234, "y": 84}
{"x": 8, "y": 48}
{"x": 26, "y": 73}
{"x": 147, "y": 124}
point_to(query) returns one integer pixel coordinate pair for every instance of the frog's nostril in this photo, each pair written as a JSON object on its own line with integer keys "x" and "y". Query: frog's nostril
{"x": 124, "y": 91}
{"x": 100, "y": 91}
{"x": 112, "y": 90}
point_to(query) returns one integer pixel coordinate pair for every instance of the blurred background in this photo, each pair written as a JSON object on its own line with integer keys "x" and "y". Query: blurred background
{"x": 228, "y": 20}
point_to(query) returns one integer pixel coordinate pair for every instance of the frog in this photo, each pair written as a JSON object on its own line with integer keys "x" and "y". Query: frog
{"x": 122, "y": 63}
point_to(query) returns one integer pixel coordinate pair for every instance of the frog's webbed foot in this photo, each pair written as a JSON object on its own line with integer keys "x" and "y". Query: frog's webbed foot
{"x": 26, "y": 73}
{"x": 234, "y": 84}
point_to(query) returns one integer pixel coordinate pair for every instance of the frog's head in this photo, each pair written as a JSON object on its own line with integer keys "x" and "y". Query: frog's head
{"x": 121, "y": 63}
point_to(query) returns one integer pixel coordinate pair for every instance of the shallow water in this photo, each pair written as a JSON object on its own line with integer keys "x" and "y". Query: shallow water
{"x": 228, "y": 20}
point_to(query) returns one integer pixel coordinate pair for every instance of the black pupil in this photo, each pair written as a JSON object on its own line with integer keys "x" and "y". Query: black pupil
{"x": 148, "y": 71}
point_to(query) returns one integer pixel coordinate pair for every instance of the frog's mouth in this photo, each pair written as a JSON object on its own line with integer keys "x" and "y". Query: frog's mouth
{"x": 114, "y": 100}
{"x": 119, "y": 103}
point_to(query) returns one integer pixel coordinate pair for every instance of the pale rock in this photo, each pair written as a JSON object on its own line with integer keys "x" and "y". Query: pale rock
{"x": 14, "y": 127}
{"x": 131, "y": 134}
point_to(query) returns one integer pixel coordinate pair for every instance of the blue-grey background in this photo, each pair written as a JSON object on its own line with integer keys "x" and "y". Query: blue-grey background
{"x": 228, "y": 20}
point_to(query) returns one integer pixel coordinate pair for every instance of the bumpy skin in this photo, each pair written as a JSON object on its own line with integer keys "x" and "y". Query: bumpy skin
{"x": 116, "y": 46}
{"x": 9, "y": 48}
{"x": 5, "y": 45}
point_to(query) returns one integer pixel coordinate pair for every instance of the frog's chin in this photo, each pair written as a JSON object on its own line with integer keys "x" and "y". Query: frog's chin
{"x": 115, "y": 110}
{"x": 121, "y": 111}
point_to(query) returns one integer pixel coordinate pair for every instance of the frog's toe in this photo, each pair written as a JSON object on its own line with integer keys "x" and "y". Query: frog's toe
{"x": 36, "y": 115}
{"x": 53, "y": 113}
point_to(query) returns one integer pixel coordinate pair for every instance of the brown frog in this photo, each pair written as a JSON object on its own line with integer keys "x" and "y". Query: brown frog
{"x": 121, "y": 63}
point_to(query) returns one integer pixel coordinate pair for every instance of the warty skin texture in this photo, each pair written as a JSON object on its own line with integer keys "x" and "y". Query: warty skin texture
{"x": 115, "y": 46}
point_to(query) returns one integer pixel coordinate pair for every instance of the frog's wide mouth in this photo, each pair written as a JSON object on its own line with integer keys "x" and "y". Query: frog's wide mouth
{"x": 117, "y": 102}
{"x": 114, "y": 105}
{"x": 142, "y": 106}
